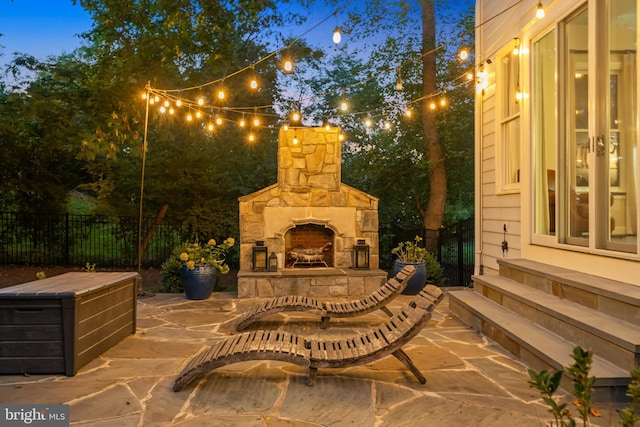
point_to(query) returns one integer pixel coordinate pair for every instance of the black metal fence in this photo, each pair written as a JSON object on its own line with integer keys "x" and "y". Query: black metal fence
{"x": 106, "y": 241}
{"x": 456, "y": 254}
{"x": 75, "y": 240}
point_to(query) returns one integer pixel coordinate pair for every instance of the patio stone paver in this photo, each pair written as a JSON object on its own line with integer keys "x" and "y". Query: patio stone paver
{"x": 470, "y": 380}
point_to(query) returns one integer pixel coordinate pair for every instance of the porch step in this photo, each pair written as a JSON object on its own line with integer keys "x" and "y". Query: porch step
{"x": 536, "y": 346}
{"x": 615, "y": 298}
{"x": 612, "y": 338}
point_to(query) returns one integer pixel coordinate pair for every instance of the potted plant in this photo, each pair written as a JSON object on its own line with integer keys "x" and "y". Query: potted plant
{"x": 427, "y": 267}
{"x": 197, "y": 266}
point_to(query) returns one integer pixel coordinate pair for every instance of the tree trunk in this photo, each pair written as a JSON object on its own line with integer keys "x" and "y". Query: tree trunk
{"x": 434, "y": 213}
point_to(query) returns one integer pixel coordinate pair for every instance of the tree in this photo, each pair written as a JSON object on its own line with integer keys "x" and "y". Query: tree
{"x": 434, "y": 212}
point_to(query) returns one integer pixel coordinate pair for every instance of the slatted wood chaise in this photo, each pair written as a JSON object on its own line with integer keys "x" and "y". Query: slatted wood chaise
{"x": 343, "y": 352}
{"x": 328, "y": 309}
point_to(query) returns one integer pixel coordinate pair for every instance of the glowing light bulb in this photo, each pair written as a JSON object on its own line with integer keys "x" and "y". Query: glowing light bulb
{"x": 256, "y": 121}
{"x": 189, "y": 117}
{"x": 540, "y": 11}
{"x": 367, "y": 122}
{"x": 344, "y": 106}
{"x": 152, "y": 101}
{"x": 178, "y": 103}
{"x": 167, "y": 103}
{"x": 285, "y": 126}
{"x": 387, "y": 124}
{"x": 254, "y": 83}
{"x": 443, "y": 102}
{"x": 156, "y": 98}
{"x": 399, "y": 83}
{"x": 200, "y": 101}
{"x": 341, "y": 137}
{"x": 464, "y": 54}
{"x": 251, "y": 137}
{"x": 218, "y": 121}
{"x": 295, "y": 116}
{"x": 210, "y": 127}
{"x": 327, "y": 126}
{"x": 221, "y": 94}
{"x": 408, "y": 113}
{"x": 242, "y": 123}
{"x": 432, "y": 105}
{"x": 198, "y": 114}
{"x": 144, "y": 95}
{"x": 469, "y": 76}
{"x": 163, "y": 109}
{"x": 295, "y": 140}
{"x": 171, "y": 111}
{"x": 337, "y": 37}
{"x": 288, "y": 65}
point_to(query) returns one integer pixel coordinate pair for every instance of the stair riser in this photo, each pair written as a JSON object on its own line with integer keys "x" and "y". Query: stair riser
{"x": 587, "y": 339}
{"x": 603, "y": 303}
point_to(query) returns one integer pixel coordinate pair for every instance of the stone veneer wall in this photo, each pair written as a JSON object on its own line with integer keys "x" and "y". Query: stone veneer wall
{"x": 308, "y": 191}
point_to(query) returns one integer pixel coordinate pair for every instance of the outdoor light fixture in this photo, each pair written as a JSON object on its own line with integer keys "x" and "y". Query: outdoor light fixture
{"x": 540, "y": 11}
{"x": 464, "y": 54}
{"x": 273, "y": 262}
{"x": 295, "y": 116}
{"x": 361, "y": 255}
{"x": 337, "y": 37}
{"x": 260, "y": 256}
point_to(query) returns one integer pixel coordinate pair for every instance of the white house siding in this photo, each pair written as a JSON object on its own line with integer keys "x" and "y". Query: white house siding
{"x": 496, "y": 29}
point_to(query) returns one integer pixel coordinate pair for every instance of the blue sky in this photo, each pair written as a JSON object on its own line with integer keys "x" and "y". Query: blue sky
{"x": 49, "y": 27}
{"x": 40, "y": 27}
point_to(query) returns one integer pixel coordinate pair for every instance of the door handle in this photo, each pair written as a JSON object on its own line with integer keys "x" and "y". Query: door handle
{"x": 600, "y": 145}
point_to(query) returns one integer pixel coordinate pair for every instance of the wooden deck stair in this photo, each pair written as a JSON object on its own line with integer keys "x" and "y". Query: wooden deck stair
{"x": 540, "y": 313}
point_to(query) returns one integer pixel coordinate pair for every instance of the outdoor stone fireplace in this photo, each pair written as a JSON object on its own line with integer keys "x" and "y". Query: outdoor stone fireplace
{"x": 310, "y": 221}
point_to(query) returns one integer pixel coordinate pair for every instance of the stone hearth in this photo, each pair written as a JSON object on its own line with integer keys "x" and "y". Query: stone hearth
{"x": 309, "y": 195}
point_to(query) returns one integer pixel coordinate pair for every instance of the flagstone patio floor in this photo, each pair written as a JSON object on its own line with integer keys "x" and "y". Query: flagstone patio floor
{"x": 470, "y": 380}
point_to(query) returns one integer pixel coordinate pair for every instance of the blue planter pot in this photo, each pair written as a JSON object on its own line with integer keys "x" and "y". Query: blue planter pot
{"x": 199, "y": 282}
{"x": 418, "y": 281}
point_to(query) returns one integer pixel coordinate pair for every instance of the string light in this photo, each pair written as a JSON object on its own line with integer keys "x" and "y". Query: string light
{"x": 285, "y": 126}
{"x": 337, "y": 37}
{"x": 464, "y": 54}
{"x": 367, "y": 122}
{"x": 210, "y": 127}
{"x": 189, "y": 117}
{"x": 540, "y": 11}
{"x": 218, "y": 120}
{"x": 242, "y": 123}
{"x": 256, "y": 121}
{"x": 221, "y": 94}
{"x": 295, "y": 116}
{"x": 251, "y": 137}
{"x": 289, "y": 66}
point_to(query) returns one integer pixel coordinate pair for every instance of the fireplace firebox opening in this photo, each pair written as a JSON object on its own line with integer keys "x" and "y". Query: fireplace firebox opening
{"x": 309, "y": 245}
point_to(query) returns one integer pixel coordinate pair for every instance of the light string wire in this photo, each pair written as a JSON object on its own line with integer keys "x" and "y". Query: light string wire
{"x": 169, "y": 94}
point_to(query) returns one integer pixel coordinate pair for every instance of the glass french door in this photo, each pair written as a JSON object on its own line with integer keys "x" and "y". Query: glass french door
{"x": 600, "y": 127}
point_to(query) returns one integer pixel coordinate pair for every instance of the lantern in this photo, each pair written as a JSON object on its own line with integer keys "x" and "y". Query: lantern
{"x": 361, "y": 255}
{"x": 260, "y": 256}
{"x": 273, "y": 262}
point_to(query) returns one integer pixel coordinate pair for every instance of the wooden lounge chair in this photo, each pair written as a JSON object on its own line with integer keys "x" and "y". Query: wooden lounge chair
{"x": 328, "y": 309}
{"x": 376, "y": 343}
